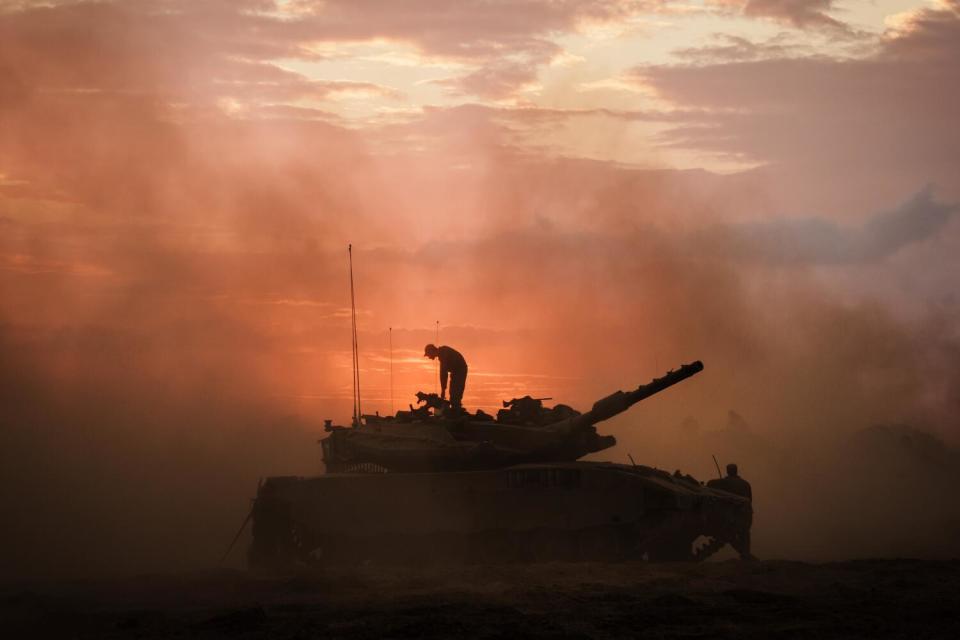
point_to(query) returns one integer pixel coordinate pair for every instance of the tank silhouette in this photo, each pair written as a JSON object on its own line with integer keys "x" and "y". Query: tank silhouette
{"x": 431, "y": 483}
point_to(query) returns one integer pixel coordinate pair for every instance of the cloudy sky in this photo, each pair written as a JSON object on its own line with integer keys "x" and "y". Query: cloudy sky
{"x": 582, "y": 193}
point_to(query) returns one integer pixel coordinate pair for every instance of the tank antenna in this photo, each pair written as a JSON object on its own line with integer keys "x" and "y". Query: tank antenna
{"x": 437, "y": 342}
{"x": 356, "y": 349}
{"x": 719, "y": 475}
{"x": 390, "y": 332}
{"x": 237, "y": 537}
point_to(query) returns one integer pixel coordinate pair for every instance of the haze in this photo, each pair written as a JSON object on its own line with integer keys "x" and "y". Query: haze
{"x": 584, "y": 194}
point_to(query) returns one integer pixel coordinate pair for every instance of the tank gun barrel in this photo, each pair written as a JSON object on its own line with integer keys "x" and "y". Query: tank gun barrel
{"x": 620, "y": 401}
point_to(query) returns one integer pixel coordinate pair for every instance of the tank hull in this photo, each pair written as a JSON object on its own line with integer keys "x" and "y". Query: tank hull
{"x": 561, "y": 511}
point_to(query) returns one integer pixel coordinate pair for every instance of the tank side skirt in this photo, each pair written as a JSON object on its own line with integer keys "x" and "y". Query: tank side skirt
{"x": 532, "y": 512}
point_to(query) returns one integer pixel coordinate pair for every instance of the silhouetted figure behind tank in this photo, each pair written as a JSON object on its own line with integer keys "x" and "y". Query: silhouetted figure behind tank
{"x": 733, "y": 483}
{"x": 452, "y": 364}
{"x": 736, "y": 485}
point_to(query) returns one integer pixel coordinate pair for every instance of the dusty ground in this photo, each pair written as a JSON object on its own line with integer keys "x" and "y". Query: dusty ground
{"x": 857, "y": 599}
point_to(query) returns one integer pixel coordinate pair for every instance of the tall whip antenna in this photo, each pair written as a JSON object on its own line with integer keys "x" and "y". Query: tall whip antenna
{"x": 437, "y": 342}
{"x": 390, "y": 331}
{"x": 356, "y": 349}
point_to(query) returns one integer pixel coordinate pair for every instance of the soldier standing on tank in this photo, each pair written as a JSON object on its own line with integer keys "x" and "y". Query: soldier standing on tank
{"x": 736, "y": 485}
{"x": 452, "y": 363}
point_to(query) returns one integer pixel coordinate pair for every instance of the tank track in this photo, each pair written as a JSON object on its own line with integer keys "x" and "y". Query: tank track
{"x": 295, "y": 546}
{"x": 705, "y": 551}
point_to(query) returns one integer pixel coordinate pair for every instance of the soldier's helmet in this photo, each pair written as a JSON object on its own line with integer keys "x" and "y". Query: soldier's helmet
{"x": 731, "y": 469}
{"x": 431, "y": 351}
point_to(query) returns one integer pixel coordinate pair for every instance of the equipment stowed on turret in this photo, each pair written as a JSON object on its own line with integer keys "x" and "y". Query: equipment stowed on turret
{"x": 437, "y": 483}
{"x": 530, "y": 411}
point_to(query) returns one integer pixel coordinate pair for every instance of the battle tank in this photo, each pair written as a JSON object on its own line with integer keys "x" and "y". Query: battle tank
{"x": 438, "y": 483}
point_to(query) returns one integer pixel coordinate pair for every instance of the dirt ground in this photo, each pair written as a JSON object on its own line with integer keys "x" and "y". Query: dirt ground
{"x": 731, "y": 599}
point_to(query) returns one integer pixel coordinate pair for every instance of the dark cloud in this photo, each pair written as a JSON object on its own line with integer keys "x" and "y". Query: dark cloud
{"x": 731, "y": 48}
{"x": 494, "y": 81}
{"x": 224, "y": 48}
{"x": 470, "y": 29}
{"x": 929, "y": 35}
{"x": 210, "y": 51}
{"x": 799, "y": 13}
{"x": 819, "y": 241}
{"x": 872, "y": 127}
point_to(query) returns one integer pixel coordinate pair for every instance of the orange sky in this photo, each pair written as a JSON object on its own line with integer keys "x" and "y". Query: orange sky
{"x": 178, "y": 183}
{"x": 584, "y": 194}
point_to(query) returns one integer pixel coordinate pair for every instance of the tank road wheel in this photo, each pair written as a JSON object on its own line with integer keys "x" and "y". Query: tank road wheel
{"x": 602, "y": 543}
{"x": 271, "y": 550}
{"x": 672, "y": 551}
{"x": 278, "y": 541}
{"x": 498, "y": 546}
{"x": 709, "y": 546}
{"x": 672, "y": 546}
{"x": 303, "y": 545}
{"x": 282, "y": 548}
{"x": 683, "y": 548}
{"x": 552, "y": 545}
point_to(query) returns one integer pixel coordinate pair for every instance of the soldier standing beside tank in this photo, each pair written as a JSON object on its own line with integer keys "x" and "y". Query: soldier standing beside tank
{"x": 733, "y": 483}
{"x": 736, "y": 485}
{"x": 452, "y": 363}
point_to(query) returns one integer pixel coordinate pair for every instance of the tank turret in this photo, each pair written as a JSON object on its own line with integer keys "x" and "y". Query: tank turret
{"x": 434, "y": 437}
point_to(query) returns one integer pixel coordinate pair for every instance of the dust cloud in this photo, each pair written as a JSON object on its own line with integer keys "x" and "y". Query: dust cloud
{"x": 172, "y": 316}
{"x": 135, "y": 429}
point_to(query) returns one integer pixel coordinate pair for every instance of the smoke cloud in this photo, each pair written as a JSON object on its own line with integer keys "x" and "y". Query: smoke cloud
{"x": 174, "y": 300}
